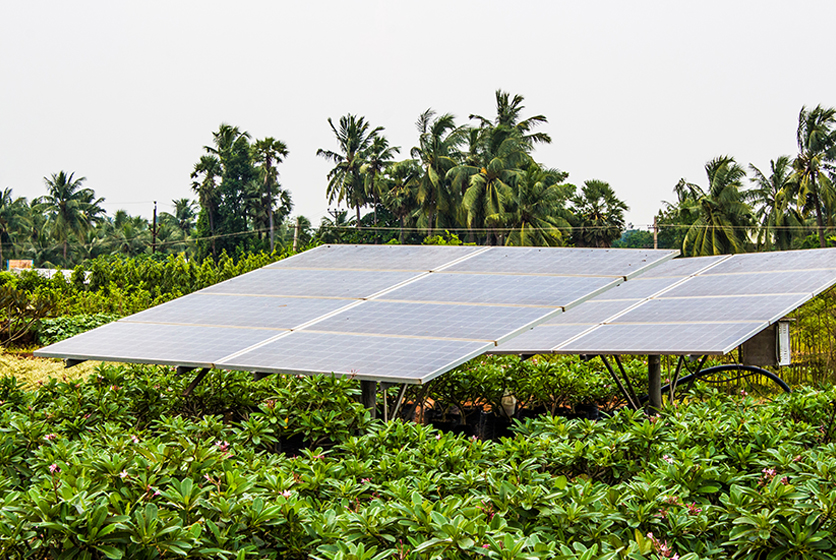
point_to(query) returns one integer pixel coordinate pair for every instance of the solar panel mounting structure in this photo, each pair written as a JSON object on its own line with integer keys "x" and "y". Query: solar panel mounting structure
{"x": 379, "y": 313}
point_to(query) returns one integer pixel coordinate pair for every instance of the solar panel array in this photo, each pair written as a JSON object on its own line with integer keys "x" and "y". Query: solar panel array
{"x": 703, "y": 305}
{"x": 393, "y": 313}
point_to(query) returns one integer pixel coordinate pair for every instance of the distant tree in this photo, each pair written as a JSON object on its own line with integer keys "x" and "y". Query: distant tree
{"x": 267, "y": 154}
{"x": 400, "y": 191}
{"x": 377, "y": 158}
{"x": 536, "y": 211}
{"x": 345, "y": 180}
{"x": 437, "y": 153}
{"x": 723, "y": 217}
{"x": 13, "y": 219}
{"x": 209, "y": 168}
{"x": 635, "y": 239}
{"x": 184, "y": 214}
{"x": 816, "y": 153}
{"x": 71, "y": 208}
{"x": 774, "y": 198}
{"x": 508, "y": 111}
{"x": 598, "y": 215}
{"x": 232, "y": 148}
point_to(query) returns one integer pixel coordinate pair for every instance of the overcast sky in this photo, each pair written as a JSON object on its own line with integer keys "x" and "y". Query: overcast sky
{"x": 638, "y": 94}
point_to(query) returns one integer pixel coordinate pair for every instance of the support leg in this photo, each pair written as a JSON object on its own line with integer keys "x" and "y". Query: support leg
{"x": 654, "y": 382}
{"x": 368, "y": 397}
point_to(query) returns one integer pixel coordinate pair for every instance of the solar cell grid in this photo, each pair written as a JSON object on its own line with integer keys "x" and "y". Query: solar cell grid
{"x": 405, "y": 360}
{"x": 762, "y": 283}
{"x": 709, "y": 309}
{"x": 663, "y": 338}
{"x": 500, "y": 289}
{"x": 239, "y": 311}
{"x": 311, "y": 283}
{"x": 560, "y": 261}
{"x": 807, "y": 259}
{"x": 431, "y": 320}
{"x": 378, "y": 257}
{"x": 157, "y": 344}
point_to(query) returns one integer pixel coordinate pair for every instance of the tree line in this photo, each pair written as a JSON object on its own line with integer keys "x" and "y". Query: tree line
{"x": 478, "y": 180}
{"x": 481, "y": 179}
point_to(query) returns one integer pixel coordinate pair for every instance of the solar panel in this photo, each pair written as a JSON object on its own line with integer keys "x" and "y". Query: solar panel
{"x": 722, "y": 303}
{"x": 471, "y": 322}
{"x": 154, "y": 343}
{"x": 269, "y": 312}
{"x": 401, "y": 313}
{"x": 561, "y": 261}
{"x": 311, "y": 283}
{"x": 422, "y": 258}
{"x": 501, "y": 289}
{"x": 378, "y": 358}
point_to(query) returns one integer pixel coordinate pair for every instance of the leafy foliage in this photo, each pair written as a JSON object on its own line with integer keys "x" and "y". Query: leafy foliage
{"x": 122, "y": 466}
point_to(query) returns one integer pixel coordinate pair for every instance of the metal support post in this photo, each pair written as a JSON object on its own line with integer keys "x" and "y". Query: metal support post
{"x": 198, "y": 378}
{"x": 368, "y": 390}
{"x": 654, "y": 383}
{"x": 630, "y": 403}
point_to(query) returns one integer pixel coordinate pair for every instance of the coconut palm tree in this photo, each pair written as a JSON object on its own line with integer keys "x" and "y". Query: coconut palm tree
{"x": 488, "y": 183}
{"x": 508, "y": 111}
{"x": 184, "y": 214}
{"x": 774, "y": 196}
{"x": 537, "y": 213}
{"x": 13, "y": 219}
{"x": 723, "y": 216}
{"x": 71, "y": 208}
{"x": 437, "y": 153}
{"x": 599, "y": 215}
{"x": 267, "y": 154}
{"x": 209, "y": 168}
{"x": 345, "y": 181}
{"x": 399, "y": 190}
{"x": 377, "y": 158}
{"x": 816, "y": 152}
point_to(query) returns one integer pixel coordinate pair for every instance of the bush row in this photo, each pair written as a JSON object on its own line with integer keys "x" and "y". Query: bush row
{"x": 123, "y": 466}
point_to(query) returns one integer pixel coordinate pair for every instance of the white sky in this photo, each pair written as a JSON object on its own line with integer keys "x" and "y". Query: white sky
{"x": 637, "y": 93}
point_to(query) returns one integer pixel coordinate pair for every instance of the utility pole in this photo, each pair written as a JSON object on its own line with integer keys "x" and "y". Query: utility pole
{"x": 296, "y": 234}
{"x": 655, "y": 234}
{"x": 154, "y": 231}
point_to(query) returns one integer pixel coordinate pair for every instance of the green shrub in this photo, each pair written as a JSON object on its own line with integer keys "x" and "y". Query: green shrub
{"x": 56, "y": 329}
{"x": 123, "y": 466}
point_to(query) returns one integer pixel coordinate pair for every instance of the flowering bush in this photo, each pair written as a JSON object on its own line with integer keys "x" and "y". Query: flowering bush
{"x": 122, "y": 466}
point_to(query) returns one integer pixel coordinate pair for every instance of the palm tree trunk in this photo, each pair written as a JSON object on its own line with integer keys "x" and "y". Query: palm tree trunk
{"x": 357, "y": 208}
{"x": 400, "y": 237}
{"x": 212, "y": 234}
{"x": 270, "y": 214}
{"x": 65, "y": 251}
{"x": 819, "y": 221}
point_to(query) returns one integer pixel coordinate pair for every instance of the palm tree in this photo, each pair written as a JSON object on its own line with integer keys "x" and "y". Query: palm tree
{"x": 378, "y": 157}
{"x": 184, "y": 214}
{"x": 816, "y": 152}
{"x": 268, "y": 153}
{"x": 13, "y": 219}
{"x": 537, "y": 212}
{"x": 208, "y": 196}
{"x": 488, "y": 183}
{"x": 722, "y": 214}
{"x": 437, "y": 153}
{"x": 508, "y": 115}
{"x": 400, "y": 191}
{"x": 71, "y": 208}
{"x": 599, "y": 214}
{"x": 345, "y": 181}
{"x": 774, "y": 196}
